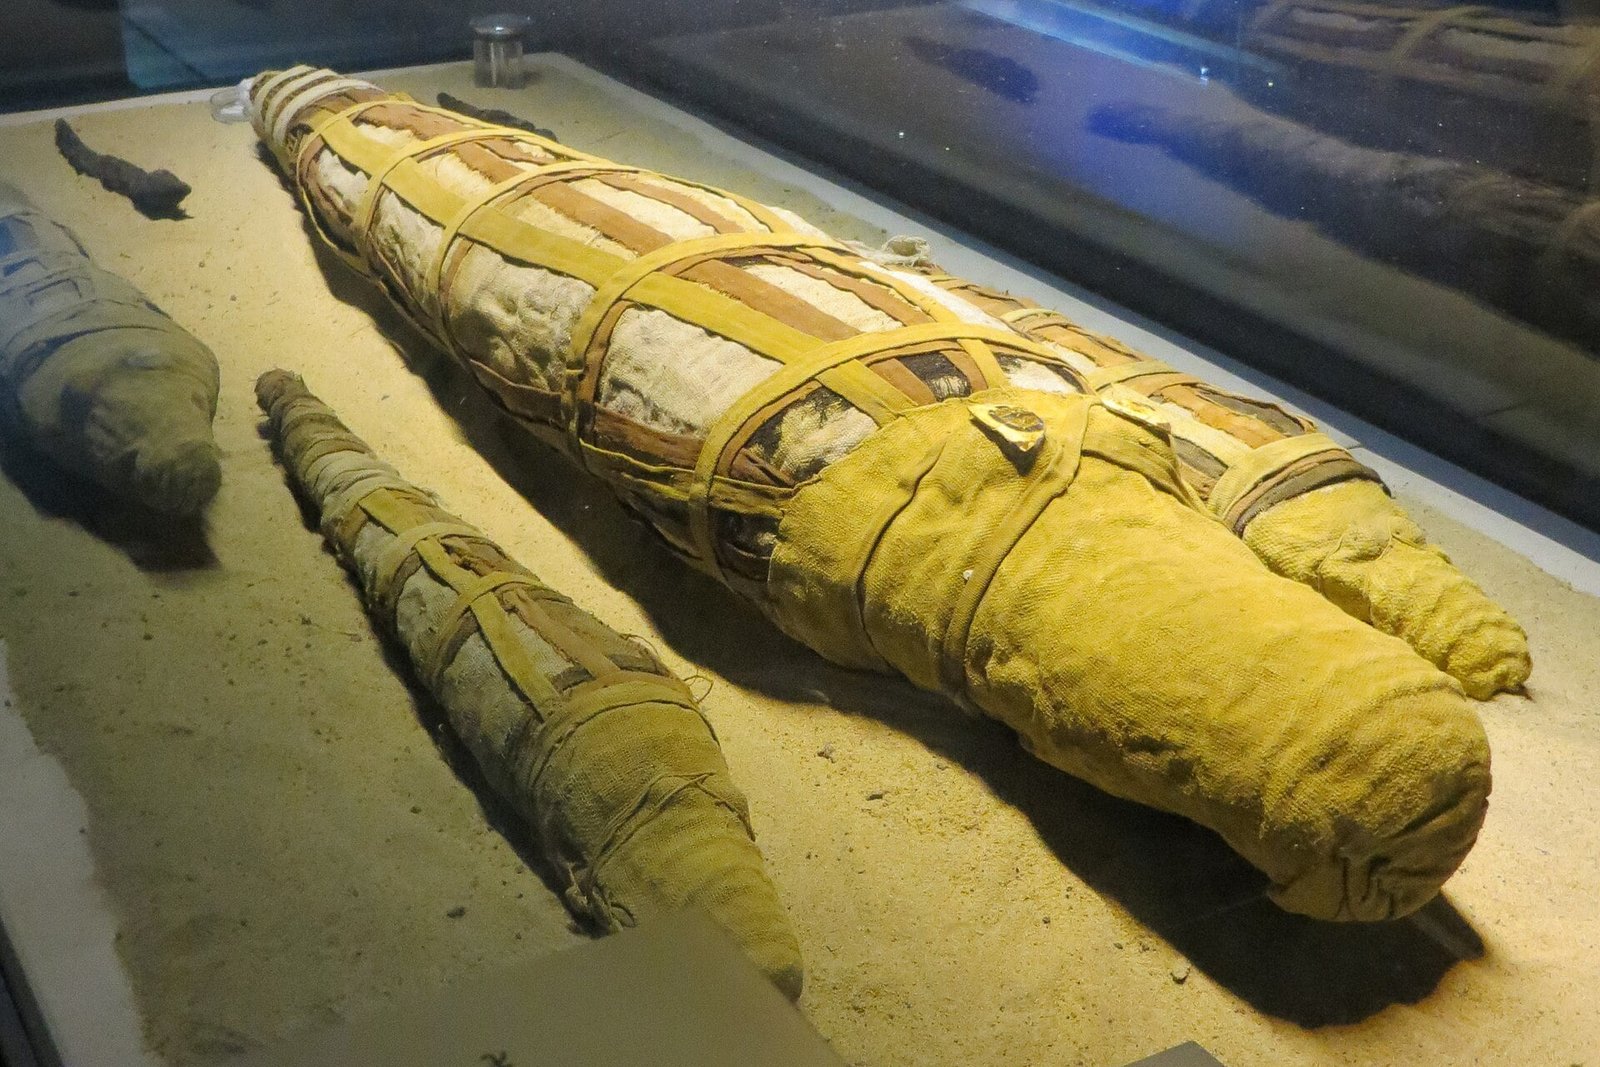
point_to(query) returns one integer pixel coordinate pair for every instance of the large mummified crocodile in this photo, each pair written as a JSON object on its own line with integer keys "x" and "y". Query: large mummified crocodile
{"x": 907, "y": 482}
{"x": 581, "y": 730}
{"x": 1526, "y": 247}
{"x": 95, "y": 376}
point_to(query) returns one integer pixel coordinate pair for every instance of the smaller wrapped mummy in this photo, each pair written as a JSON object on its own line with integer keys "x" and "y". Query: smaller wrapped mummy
{"x": 95, "y": 376}
{"x": 584, "y": 732}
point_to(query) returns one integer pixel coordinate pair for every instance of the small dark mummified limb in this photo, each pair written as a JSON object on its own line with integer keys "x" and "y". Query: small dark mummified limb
{"x": 95, "y": 376}
{"x": 492, "y": 114}
{"x": 582, "y": 731}
{"x": 156, "y": 193}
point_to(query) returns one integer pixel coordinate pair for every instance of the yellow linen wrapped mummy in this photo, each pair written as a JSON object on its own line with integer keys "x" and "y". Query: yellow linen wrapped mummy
{"x": 582, "y": 731}
{"x": 907, "y": 482}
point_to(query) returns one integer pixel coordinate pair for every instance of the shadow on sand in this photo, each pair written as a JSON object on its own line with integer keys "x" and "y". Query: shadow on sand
{"x": 155, "y": 542}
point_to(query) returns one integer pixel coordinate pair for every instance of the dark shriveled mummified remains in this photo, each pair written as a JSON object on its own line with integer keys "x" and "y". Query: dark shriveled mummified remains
{"x": 582, "y": 731}
{"x": 95, "y": 376}
{"x": 156, "y": 193}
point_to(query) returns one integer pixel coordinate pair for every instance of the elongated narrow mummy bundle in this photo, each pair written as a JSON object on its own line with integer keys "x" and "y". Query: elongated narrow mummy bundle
{"x": 584, "y": 732}
{"x": 906, "y": 482}
{"x": 95, "y": 376}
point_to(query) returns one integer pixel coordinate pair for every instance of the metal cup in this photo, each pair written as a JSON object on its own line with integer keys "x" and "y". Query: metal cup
{"x": 497, "y": 51}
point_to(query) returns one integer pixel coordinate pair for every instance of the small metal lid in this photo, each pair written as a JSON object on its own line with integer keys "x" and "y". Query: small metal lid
{"x": 500, "y": 27}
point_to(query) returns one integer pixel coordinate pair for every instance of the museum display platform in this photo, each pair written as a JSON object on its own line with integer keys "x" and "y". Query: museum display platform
{"x": 227, "y": 821}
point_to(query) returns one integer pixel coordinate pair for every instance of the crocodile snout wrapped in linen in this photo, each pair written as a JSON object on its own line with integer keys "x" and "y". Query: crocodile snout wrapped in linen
{"x": 912, "y": 474}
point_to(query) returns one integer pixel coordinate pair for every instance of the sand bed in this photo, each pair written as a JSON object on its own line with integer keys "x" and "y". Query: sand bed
{"x": 283, "y": 835}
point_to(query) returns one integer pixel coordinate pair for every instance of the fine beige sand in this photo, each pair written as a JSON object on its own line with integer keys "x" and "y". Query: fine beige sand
{"x": 284, "y": 835}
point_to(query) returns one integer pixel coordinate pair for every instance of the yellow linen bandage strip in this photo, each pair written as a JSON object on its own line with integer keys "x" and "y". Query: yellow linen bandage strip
{"x": 367, "y": 206}
{"x": 1101, "y": 377}
{"x": 1018, "y": 315}
{"x": 525, "y": 243}
{"x": 397, "y": 511}
{"x": 760, "y": 212}
{"x": 391, "y": 571}
{"x": 337, "y": 132}
{"x": 892, "y": 500}
{"x": 1264, "y": 463}
{"x": 330, "y": 445}
{"x": 512, "y": 655}
{"x": 593, "y": 699}
{"x": 680, "y": 254}
{"x": 581, "y": 694}
{"x": 299, "y": 70}
{"x": 726, "y": 430}
{"x": 277, "y": 90}
{"x": 1065, "y": 441}
{"x": 337, "y": 508}
{"x": 1397, "y": 60}
{"x": 291, "y": 104}
{"x": 643, "y": 282}
{"x": 1019, "y": 343}
{"x": 470, "y": 588}
{"x": 453, "y": 224}
{"x": 674, "y": 483}
{"x": 511, "y": 133}
{"x": 761, "y": 333}
{"x": 477, "y": 594}
{"x": 981, "y": 355}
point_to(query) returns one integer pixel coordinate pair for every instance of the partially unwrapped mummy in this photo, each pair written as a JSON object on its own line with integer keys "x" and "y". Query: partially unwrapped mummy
{"x": 95, "y": 376}
{"x": 902, "y": 477}
{"x": 582, "y": 731}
